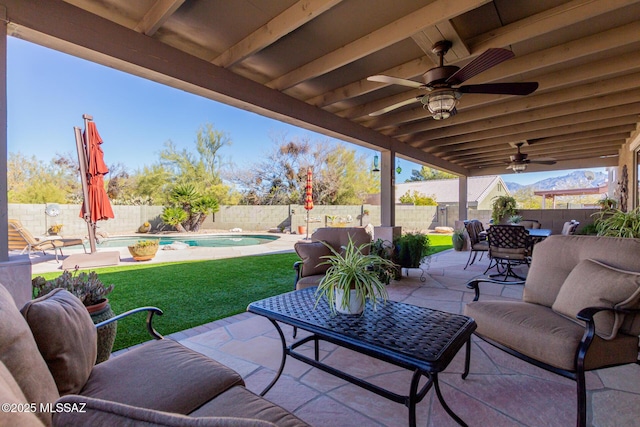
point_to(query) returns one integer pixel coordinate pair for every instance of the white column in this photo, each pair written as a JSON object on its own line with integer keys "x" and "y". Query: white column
{"x": 4, "y": 206}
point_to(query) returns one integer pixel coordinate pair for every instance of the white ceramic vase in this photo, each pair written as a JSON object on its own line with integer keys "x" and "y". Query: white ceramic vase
{"x": 356, "y": 305}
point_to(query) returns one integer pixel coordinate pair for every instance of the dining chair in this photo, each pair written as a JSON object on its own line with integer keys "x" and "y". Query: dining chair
{"x": 509, "y": 246}
{"x": 478, "y": 240}
{"x": 570, "y": 227}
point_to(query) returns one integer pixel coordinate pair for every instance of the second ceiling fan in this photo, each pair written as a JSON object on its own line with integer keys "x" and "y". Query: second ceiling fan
{"x": 442, "y": 98}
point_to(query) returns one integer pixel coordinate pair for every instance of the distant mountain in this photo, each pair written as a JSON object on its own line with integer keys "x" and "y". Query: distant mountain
{"x": 576, "y": 179}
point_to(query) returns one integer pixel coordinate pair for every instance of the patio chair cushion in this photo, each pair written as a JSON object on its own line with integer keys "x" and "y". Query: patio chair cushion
{"x": 10, "y": 393}
{"x": 21, "y": 356}
{"x": 240, "y": 402}
{"x": 162, "y": 375}
{"x": 66, "y": 337}
{"x": 593, "y": 284}
{"x": 538, "y": 332}
{"x": 310, "y": 253}
{"x": 102, "y": 412}
{"x": 554, "y": 258}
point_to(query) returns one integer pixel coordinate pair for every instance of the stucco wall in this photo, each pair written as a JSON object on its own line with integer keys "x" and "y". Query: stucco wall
{"x": 263, "y": 218}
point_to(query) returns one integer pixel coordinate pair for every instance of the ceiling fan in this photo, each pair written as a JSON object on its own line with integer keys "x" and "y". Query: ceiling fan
{"x": 442, "y": 98}
{"x": 519, "y": 161}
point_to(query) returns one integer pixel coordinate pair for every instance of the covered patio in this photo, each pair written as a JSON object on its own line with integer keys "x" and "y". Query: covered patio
{"x": 500, "y": 391}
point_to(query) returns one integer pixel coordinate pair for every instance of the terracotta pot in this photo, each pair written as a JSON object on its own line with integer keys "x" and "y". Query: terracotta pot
{"x": 106, "y": 335}
{"x": 143, "y": 253}
{"x": 302, "y": 229}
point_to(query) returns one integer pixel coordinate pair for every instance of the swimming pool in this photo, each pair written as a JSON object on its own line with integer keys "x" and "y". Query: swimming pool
{"x": 210, "y": 241}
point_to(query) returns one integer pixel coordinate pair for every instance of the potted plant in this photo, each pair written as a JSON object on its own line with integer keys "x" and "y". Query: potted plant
{"x": 616, "y": 223}
{"x": 458, "y": 239}
{"x": 503, "y": 206}
{"x": 607, "y": 203}
{"x": 385, "y": 249}
{"x": 93, "y": 294}
{"x": 144, "y": 250}
{"x": 145, "y": 227}
{"x": 55, "y": 229}
{"x": 515, "y": 219}
{"x": 352, "y": 277}
{"x": 411, "y": 248}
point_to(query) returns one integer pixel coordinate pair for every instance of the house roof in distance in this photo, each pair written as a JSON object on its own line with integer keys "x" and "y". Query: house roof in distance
{"x": 446, "y": 190}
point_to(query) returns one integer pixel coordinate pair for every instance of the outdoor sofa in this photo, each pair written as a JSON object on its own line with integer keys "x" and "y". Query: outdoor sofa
{"x": 310, "y": 270}
{"x": 580, "y": 309}
{"x": 48, "y": 350}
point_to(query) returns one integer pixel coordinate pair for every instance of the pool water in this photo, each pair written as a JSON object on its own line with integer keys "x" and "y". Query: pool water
{"x": 212, "y": 241}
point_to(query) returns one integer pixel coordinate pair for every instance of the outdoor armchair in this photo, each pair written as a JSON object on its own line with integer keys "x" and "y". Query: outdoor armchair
{"x": 47, "y": 357}
{"x": 580, "y": 309}
{"x": 21, "y": 239}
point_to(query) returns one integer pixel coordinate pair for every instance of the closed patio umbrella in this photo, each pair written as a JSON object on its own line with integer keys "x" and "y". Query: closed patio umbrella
{"x": 308, "y": 199}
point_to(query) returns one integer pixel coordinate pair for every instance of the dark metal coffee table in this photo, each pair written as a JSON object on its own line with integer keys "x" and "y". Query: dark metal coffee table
{"x": 415, "y": 338}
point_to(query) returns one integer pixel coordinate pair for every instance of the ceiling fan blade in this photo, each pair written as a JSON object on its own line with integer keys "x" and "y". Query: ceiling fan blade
{"x": 543, "y": 162}
{"x": 521, "y": 88}
{"x": 394, "y": 106}
{"x": 483, "y": 62}
{"x": 394, "y": 81}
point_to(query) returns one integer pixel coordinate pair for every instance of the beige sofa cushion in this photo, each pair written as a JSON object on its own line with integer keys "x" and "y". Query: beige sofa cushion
{"x": 555, "y": 257}
{"x": 19, "y": 353}
{"x": 338, "y": 237}
{"x": 162, "y": 375}
{"x": 311, "y": 254}
{"x": 240, "y": 402}
{"x": 66, "y": 338}
{"x": 540, "y": 333}
{"x": 593, "y": 284}
{"x": 104, "y": 413}
{"x": 11, "y": 394}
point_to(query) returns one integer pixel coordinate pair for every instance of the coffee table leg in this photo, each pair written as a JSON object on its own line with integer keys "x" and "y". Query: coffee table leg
{"x": 284, "y": 358}
{"x": 434, "y": 378}
{"x": 413, "y": 397}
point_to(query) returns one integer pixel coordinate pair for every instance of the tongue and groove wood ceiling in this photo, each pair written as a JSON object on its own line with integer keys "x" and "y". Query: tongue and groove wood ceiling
{"x": 306, "y": 62}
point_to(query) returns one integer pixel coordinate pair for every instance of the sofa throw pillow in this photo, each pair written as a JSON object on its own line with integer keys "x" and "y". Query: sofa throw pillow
{"x": 593, "y": 284}
{"x": 310, "y": 253}
{"x": 66, "y": 338}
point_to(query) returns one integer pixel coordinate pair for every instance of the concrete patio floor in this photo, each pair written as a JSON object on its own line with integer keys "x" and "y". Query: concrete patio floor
{"x": 500, "y": 390}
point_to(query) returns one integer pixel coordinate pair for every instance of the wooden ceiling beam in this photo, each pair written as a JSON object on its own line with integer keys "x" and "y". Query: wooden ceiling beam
{"x": 157, "y": 15}
{"x": 585, "y": 147}
{"x": 386, "y": 36}
{"x": 588, "y": 46}
{"x": 586, "y": 122}
{"x": 557, "y": 18}
{"x": 538, "y": 149}
{"x": 577, "y": 93}
{"x": 611, "y": 99}
{"x": 294, "y": 17}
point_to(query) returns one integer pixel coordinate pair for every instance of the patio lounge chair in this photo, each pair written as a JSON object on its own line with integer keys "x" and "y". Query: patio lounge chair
{"x": 580, "y": 309}
{"x": 20, "y": 239}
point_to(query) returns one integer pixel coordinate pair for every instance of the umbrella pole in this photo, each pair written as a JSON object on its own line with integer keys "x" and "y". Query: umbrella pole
{"x": 83, "y": 160}
{"x": 307, "y": 238}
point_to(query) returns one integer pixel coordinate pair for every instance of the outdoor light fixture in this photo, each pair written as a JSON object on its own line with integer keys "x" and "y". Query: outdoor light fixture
{"x": 375, "y": 164}
{"x": 519, "y": 168}
{"x": 441, "y": 103}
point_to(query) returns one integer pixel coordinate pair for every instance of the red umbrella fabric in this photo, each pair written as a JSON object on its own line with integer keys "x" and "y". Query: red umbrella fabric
{"x": 99, "y": 204}
{"x": 308, "y": 200}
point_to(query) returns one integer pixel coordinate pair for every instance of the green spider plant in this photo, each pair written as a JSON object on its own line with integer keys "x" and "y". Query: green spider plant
{"x": 351, "y": 270}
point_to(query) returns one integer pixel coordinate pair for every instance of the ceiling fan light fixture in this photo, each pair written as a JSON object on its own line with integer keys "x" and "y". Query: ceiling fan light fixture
{"x": 519, "y": 168}
{"x": 441, "y": 103}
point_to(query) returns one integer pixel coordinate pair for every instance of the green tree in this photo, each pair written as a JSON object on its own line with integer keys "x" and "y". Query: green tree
{"x": 30, "y": 180}
{"x": 195, "y": 206}
{"x": 418, "y": 199}
{"x": 428, "y": 174}
{"x": 202, "y": 169}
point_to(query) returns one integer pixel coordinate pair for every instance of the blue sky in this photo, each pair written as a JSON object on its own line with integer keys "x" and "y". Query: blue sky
{"x": 48, "y": 92}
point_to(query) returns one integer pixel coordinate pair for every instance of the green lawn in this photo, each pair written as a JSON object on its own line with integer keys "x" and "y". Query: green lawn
{"x": 197, "y": 292}
{"x": 439, "y": 243}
